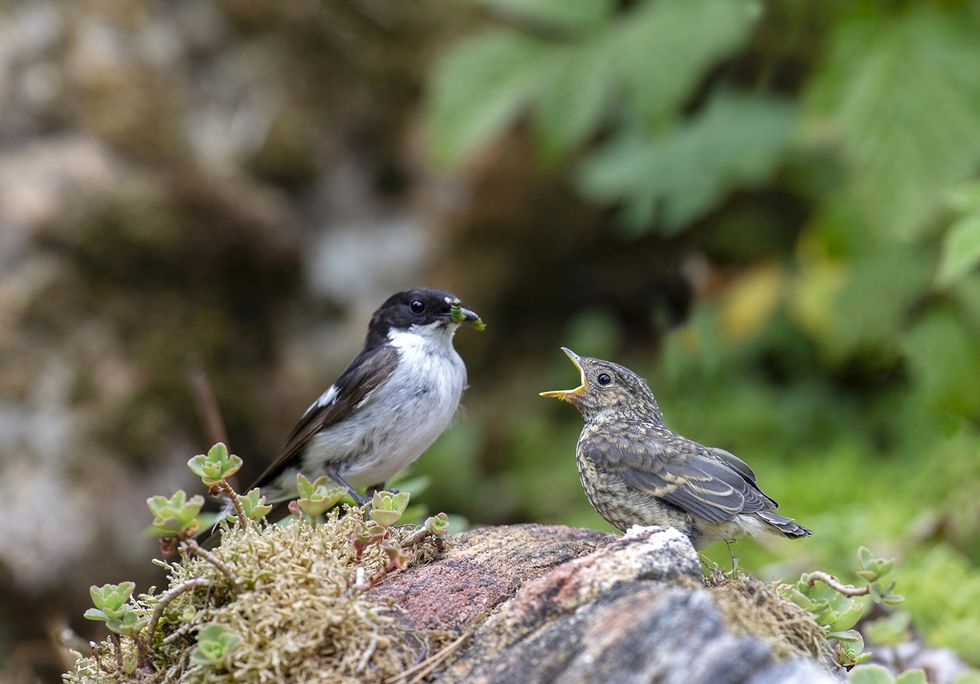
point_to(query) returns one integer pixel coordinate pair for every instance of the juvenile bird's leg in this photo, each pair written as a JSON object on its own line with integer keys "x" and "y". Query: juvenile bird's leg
{"x": 335, "y": 476}
{"x": 731, "y": 554}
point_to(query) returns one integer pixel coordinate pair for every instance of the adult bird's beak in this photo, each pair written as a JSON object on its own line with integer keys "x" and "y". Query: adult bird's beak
{"x": 457, "y": 314}
{"x": 468, "y": 315}
{"x": 567, "y": 395}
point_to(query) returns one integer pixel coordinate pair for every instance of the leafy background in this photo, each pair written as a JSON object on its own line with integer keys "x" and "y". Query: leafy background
{"x": 770, "y": 210}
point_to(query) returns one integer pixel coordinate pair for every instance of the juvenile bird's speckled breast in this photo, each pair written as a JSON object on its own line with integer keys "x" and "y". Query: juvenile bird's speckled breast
{"x": 618, "y": 503}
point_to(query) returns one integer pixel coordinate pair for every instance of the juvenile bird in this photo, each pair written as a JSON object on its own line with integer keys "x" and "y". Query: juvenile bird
{"x": 635, "y": 471}
{"x": 388, "y": 406}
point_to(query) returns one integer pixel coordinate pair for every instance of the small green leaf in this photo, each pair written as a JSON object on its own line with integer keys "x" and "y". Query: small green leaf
{"x": 437, "y": 525}
{"x": 968, "y": 677}
{"x": 892, "y": 599}
{"x": 127, "y": 623}
{"x": 111, "y": 598}
{"x": 890, "y": 630}
{"x": 916, "y": 676}
{"x": 215, "y": 644}
{"x": 848, "y": 617}
{"x": 387, "y": 508}
{"x": 870, "y": 674}
{"x": 964, "y": 198}
{"x": 797, "y": 597}
{"x": 304, "y": 487}
{"x": 385, "y": 518}
{"x": 478, "y": 88}
{"x": 671, "y": 179}
{"x": 176, "y": 516}
{"x": 850, "y": 648}
{"x": 94, "y": 614}
{"x": 560, "y": 14}
{"x": 663, "y": 50}
{"x": 574, "y": 99}
{"x": 961, "y": 250}
{"x": 216, "y": 466}
{"x": 849, "y": 635}
{"x": 254, "y": 504}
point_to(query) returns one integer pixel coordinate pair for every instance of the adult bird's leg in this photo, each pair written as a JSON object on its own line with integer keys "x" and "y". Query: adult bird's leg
{"x": 335, "y": 476}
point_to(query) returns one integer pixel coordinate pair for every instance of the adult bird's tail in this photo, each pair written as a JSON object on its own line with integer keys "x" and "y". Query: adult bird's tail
{"x": 785, "y": 525}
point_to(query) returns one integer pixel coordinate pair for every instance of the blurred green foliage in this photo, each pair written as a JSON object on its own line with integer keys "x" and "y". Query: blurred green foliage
{"x": 835, "y": 347}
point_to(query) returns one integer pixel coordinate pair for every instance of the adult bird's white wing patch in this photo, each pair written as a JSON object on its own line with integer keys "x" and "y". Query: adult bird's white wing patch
{"x": 325, "y": 399}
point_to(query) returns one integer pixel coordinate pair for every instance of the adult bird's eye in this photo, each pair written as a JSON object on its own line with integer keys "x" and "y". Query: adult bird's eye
{"x": 604, "y": 379}
{"x": 417, "y": 306}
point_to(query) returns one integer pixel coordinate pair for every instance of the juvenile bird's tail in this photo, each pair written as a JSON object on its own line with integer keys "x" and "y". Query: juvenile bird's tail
{"x": 785, "y": 525}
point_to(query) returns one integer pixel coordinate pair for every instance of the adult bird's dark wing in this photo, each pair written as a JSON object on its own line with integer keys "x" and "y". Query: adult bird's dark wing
{"x": 681, "y": 472}
{"x": 366, "y": 373}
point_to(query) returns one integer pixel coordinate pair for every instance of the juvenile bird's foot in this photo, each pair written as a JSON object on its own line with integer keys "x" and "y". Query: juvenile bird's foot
{"x": 731, "y": 554}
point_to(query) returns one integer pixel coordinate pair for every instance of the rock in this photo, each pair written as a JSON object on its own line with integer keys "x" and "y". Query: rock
{"x": 481, "y": 569}
{"x": 556, "y": 604}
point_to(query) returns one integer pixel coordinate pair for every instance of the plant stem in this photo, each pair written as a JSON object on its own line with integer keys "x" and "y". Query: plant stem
{"x": 834, "y": 583}
{"x": 207, "y": 404}
{"x": 176, "y": 634}
{"x": 117, "y": 649}
{"x": 194, "y": 547}
{"x": 98, "y": 657}
{"x": 228, "y": 491}
{"x": 422, "y": 670}
{"x": 414, "y": 538}
{"x": 165, "y": 599}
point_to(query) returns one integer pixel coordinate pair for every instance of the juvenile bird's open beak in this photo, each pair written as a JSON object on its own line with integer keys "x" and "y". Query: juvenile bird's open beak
{"x": 567, "y": 395}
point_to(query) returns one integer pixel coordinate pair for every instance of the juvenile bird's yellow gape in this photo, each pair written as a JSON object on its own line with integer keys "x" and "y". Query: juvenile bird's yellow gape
{"x": 635, "y": 471}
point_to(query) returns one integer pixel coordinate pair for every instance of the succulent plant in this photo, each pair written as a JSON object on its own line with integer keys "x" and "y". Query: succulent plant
{"x": 215, "y": 644}
{"x": 112, "y": 607}
{"x": 387, "y": 508}
{"x": 437, "y": 525}
{"x": 837, "y": 607}
{"x": 216, "y": 466}
{"x": 254, "y": 504}
{"x": 318, "y": 496}
{"x": 876, "y": 674}
{"x": 176, "y": 516}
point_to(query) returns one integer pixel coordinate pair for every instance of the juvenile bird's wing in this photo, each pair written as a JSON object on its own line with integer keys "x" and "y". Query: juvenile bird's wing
{"x": 742, "y": 468}
{"x": 366, "y": 373}
{"x": 681, "y": 472}
{"x": 733, "y": 462}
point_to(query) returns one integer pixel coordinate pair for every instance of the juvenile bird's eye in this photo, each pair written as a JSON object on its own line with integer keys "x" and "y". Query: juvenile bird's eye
{"x": 417, "y": 306}
{"x": 604, "y": 379}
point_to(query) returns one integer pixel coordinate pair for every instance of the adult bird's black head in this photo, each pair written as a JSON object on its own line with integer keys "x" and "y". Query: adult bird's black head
{"x": 607, "y": 386}
{"x": 426, "y": 310}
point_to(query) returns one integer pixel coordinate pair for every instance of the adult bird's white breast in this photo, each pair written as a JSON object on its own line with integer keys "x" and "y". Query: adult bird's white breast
{"x": 402, "y": 417}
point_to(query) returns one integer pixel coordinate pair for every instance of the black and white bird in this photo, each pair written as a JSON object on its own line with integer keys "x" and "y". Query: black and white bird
{"x": 388, "y": 406}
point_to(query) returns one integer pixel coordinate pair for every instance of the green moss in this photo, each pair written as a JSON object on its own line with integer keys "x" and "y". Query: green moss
{"x": 301, "y": 613}
{"x": 751, "y": 607}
